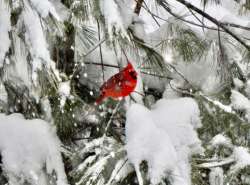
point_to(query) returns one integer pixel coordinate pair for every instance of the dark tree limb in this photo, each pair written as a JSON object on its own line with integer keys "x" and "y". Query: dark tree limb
{"x": 195, "y": 24}
{"x": 138, "y": 6}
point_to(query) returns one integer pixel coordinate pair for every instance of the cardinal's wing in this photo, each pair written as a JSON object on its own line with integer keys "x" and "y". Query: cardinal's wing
{"x": 114, "y": 81}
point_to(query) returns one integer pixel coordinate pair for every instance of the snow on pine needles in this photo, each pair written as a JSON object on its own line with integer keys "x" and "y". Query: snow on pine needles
{"x": 30, "y": 151}
{"x": 240, "y": 102}
{"x": 165, "y": 137}
{"x": 5, "y": 27}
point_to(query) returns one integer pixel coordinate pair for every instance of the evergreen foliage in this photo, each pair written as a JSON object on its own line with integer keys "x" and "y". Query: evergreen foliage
{"x": 92, "y": 136}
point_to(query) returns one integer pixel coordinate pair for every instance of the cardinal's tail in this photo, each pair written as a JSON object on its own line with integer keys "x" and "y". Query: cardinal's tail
{"x": 99, "y": 99}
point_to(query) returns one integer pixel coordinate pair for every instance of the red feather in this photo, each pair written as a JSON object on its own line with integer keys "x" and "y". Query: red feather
{"x": 119, "y": 85}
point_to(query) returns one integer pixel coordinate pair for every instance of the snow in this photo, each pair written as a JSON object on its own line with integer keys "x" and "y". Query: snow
{"x": 45, "y": 7}
{"x": 115, "y": 21}
{"x": 34, "y": 35}
{"x": 242, "y": 158}
{"x": 61, "y": 10}
{"x": 147, "y": 142}
{"x": 221, "y": 140}
{"x": 138, "y": 28}
{"x": 3, "y": 95}
{"x": 240, "y": 102}
{"x": 5, "y": 27}
{"x": 36, "y": 41}
{"x": 187, "y": 107}
{"x": 169, "y": 93}
{"x": 213, "y": 164}
{"x": 163, "y": 138}
{"x": 227, "y": 11}
{"x": 46, "y": 109}
{"x": 27, "y": 146}
{"x": 64, "y": 91}
{"x": 225, "y": 108}
{"x": 238, "y": 83}
{"x": 216, "y": 176}
{"x": 20, "y": 68}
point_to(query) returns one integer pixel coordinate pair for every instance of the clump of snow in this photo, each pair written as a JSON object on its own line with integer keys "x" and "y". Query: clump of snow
{"x": 115, "y": 20}
{"x": 138, "y": 27}
{"x": 169, "y": 93}
{"x": 61, "y": 10}
{"x": 36, "y": 41}
{"x": 164, "y": 139}
{"x": 46, "y": 108}
{"x": 20, "y": 68}
{"x": 5, "y": 27}
{"x": 30, "y": 150}
{"x": 242, "y": 158}
{"x": 221, "y": 140}
{"x": 147, "y": 142}
{"x": 238, "y": 83}
{"x": 34, "y": 35}
{"x": 240, "y": 102}
{"x": 64, "y": 91}
{"x": 45, "y": 7}
{"x": 216, "y": 176}
{"x": 225, "y": 108}
{"x": 186, "y": 107}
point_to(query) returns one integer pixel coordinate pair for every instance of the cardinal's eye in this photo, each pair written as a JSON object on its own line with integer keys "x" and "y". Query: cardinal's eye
{"x": 133, "y": 74}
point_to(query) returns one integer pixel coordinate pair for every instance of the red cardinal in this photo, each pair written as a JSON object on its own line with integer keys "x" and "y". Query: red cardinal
{"x": 119, "y": 85}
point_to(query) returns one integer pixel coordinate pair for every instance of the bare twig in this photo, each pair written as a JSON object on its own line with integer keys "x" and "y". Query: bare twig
{"x": 118, "y": 171}
{"x": 197, "y": 18}
{"x": 96, "y": 46}
{"x": 100, "y": 49}
{"x": 111, "y": 118}
{"x": 152, "y": 15}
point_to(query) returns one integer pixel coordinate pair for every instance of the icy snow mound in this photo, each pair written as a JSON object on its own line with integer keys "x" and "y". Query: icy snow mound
{"x": 147, "y": 142}
{"x": 165, "y": 137}
{"x": 44, "y": 8}
{"x": 29, "y": 149}
{"x": 221, "y": 140}
{"x": 179, "y": 118}
{"x": 240, "y": 102}
{"x": 242, "y": 158}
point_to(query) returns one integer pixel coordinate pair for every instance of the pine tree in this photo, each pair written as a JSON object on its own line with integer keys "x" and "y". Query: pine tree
{"x": 54, "y": 56}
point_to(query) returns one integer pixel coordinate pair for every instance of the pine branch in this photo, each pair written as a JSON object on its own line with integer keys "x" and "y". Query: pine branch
{"x": 216, "y": 163}
{"x": 236, "y": 25}
{"x": 215, "y": 21}
{"x": 143, "y": 72}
